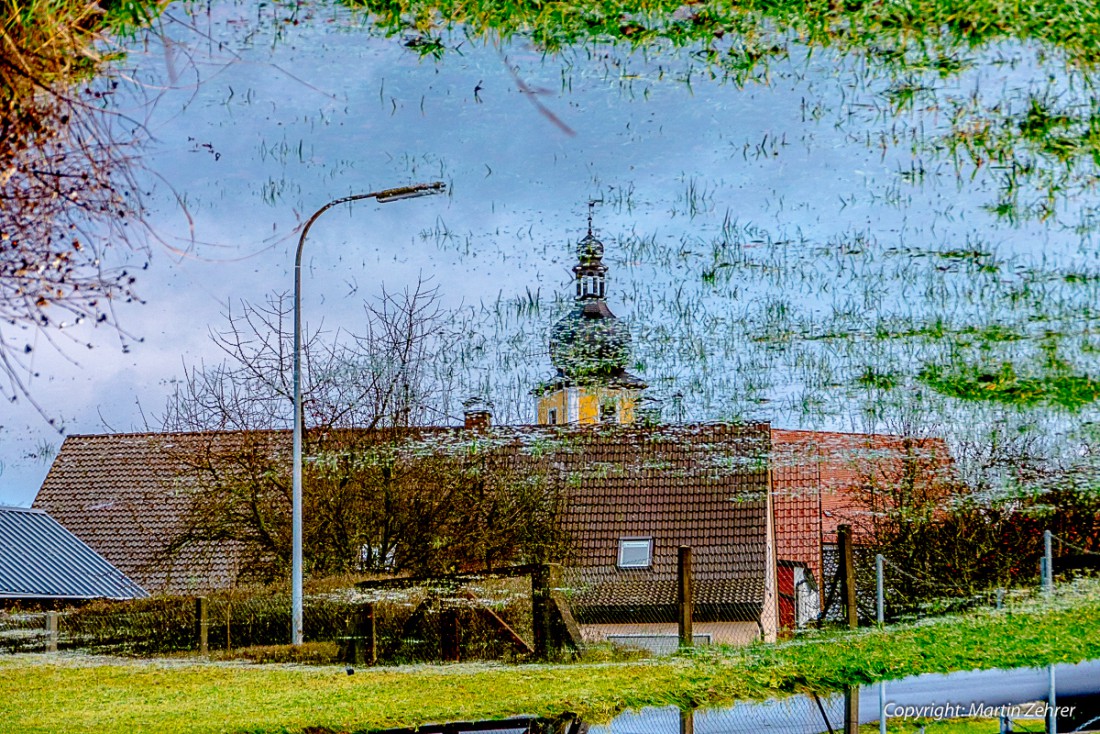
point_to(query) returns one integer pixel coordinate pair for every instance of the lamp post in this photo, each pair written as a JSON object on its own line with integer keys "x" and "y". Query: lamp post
{"x": 384, "y": 196}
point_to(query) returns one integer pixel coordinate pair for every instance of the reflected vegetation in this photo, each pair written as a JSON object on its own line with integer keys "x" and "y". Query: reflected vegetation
{"x": 918, "y": 56}
{"x": 67, "y": 190}
{"x": 889, "y": 222}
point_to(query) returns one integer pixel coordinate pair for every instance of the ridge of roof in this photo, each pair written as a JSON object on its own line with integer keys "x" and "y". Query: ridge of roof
{"x": 431, "y": 428}
{"x": 853, "y": 434}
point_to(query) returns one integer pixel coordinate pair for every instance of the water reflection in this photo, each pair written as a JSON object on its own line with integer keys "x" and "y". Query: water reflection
{"x": 1078, "y": 688}
{"x": 804, "y": 248}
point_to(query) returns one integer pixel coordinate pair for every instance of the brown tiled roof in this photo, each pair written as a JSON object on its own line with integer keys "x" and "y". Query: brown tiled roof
{"x": 122, "y": 495}
{"x": 701, "y": 485}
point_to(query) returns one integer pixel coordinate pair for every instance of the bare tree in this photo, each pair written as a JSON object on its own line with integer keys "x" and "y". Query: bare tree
{"x": 384, "y": 377}
{"x": 383, "y": 488}
{"x": 67, "y": 193}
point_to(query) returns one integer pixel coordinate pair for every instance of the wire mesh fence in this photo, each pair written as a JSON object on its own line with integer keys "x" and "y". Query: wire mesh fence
{"x": 532, "y": 612}
{"x": 475, "y": 617}
{"x": 910, "y": 593}
{"x": 799, "y": 714}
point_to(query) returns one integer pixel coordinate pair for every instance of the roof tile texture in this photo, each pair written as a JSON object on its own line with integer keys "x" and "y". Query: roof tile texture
{"x": 702, "y": 485}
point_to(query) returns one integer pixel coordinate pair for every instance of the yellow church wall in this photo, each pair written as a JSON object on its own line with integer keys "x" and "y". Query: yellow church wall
{"x": 626, "y": 400}
{"x": 556, "y": 401}
{"x": 588, "y": 408}
{"x": 588, "y": 405}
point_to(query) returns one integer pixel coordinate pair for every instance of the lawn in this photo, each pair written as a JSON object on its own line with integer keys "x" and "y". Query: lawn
{"x": 40, "y": 693}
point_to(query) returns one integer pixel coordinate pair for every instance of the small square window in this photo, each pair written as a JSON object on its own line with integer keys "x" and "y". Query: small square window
{"x": 635, "y": 552}
{"x": 607, "y": 413}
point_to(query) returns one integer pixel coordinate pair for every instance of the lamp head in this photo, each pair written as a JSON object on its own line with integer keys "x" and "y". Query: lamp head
{"x": 410, "y": 192}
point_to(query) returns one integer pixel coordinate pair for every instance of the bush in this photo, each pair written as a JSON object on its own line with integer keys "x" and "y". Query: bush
{"x": 309, "y": 653}
{"x": 258, "y": 619}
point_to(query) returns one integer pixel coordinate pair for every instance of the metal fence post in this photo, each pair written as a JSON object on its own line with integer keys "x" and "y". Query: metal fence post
{"x": 882, "y": 707}
{"x": 683, "y": 596}
{"x": 880, "y": 602}
{"x": 202, "y": 624}
{"x": 848, "y": 578}
{"x": 1052, "y": 718}
{"x": 1048, "y": 564}
{"x": 51, "y": 631}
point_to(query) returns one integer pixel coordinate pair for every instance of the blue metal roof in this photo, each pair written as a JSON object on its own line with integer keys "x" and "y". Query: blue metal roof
{"x": 40, "y": 559}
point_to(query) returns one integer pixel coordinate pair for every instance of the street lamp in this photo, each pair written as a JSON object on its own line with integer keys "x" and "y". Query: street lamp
{"x": 383, "y": 197}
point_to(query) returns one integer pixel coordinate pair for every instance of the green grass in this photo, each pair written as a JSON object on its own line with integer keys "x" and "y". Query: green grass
{"x": 969, "y": 725}
{"x": 900, "y": 32}
{"x": 39, "y": 693}
{"x": 1006, "y": 386}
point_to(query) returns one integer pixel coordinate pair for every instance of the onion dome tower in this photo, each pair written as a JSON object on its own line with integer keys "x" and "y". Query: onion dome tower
{"x": 590, "y": 349}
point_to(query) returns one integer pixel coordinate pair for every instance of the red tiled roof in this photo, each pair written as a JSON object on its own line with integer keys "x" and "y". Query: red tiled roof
{"x": 847, "y": 467}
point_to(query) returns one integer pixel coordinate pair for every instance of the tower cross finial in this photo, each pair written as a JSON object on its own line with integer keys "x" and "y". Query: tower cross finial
{"x": 591, "y": 205}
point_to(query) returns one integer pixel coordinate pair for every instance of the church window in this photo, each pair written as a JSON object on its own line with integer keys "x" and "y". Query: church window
{"x": 552, "y": 416}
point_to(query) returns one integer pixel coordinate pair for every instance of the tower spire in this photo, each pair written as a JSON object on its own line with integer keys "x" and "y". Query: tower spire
{"x": 590, "y": 272}
{"x": 590, "y": 349}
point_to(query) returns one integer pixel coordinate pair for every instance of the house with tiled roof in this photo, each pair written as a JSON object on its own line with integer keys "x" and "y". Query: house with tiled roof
{"x": 754, "y": 503}
{"x": 632, "y": 495}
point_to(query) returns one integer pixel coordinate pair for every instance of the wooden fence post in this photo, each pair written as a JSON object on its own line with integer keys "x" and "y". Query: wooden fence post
{"x": 51, "y": 631}
{"x": 848, "y": 575}
{"x": 366, "y": 629}
{"x": 540, "y": 611}
{"x": 360, "y": 646}
{"x": 448, "y": 634}
{"x": 202, "y": 624}
{"x": 687, "y": 721}
{"x": 851, "y": 710}
{"x": 683, "y": 596}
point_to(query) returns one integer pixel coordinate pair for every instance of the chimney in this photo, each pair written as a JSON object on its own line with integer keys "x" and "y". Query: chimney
{"x": 478, "y": 414}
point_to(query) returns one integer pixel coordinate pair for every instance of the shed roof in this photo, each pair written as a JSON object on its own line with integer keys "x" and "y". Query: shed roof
{"x": 40, "y": 559}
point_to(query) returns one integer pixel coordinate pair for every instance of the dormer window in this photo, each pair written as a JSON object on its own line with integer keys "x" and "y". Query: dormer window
{"x": 635, "y": 552}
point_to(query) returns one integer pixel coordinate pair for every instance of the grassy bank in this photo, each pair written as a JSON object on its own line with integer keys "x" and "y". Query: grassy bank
{"x": 48, "y": 45}
{"x": 39, "y": 693}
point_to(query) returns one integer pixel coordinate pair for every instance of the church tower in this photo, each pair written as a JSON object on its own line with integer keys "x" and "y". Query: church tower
{"x": 590, "y": 349}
